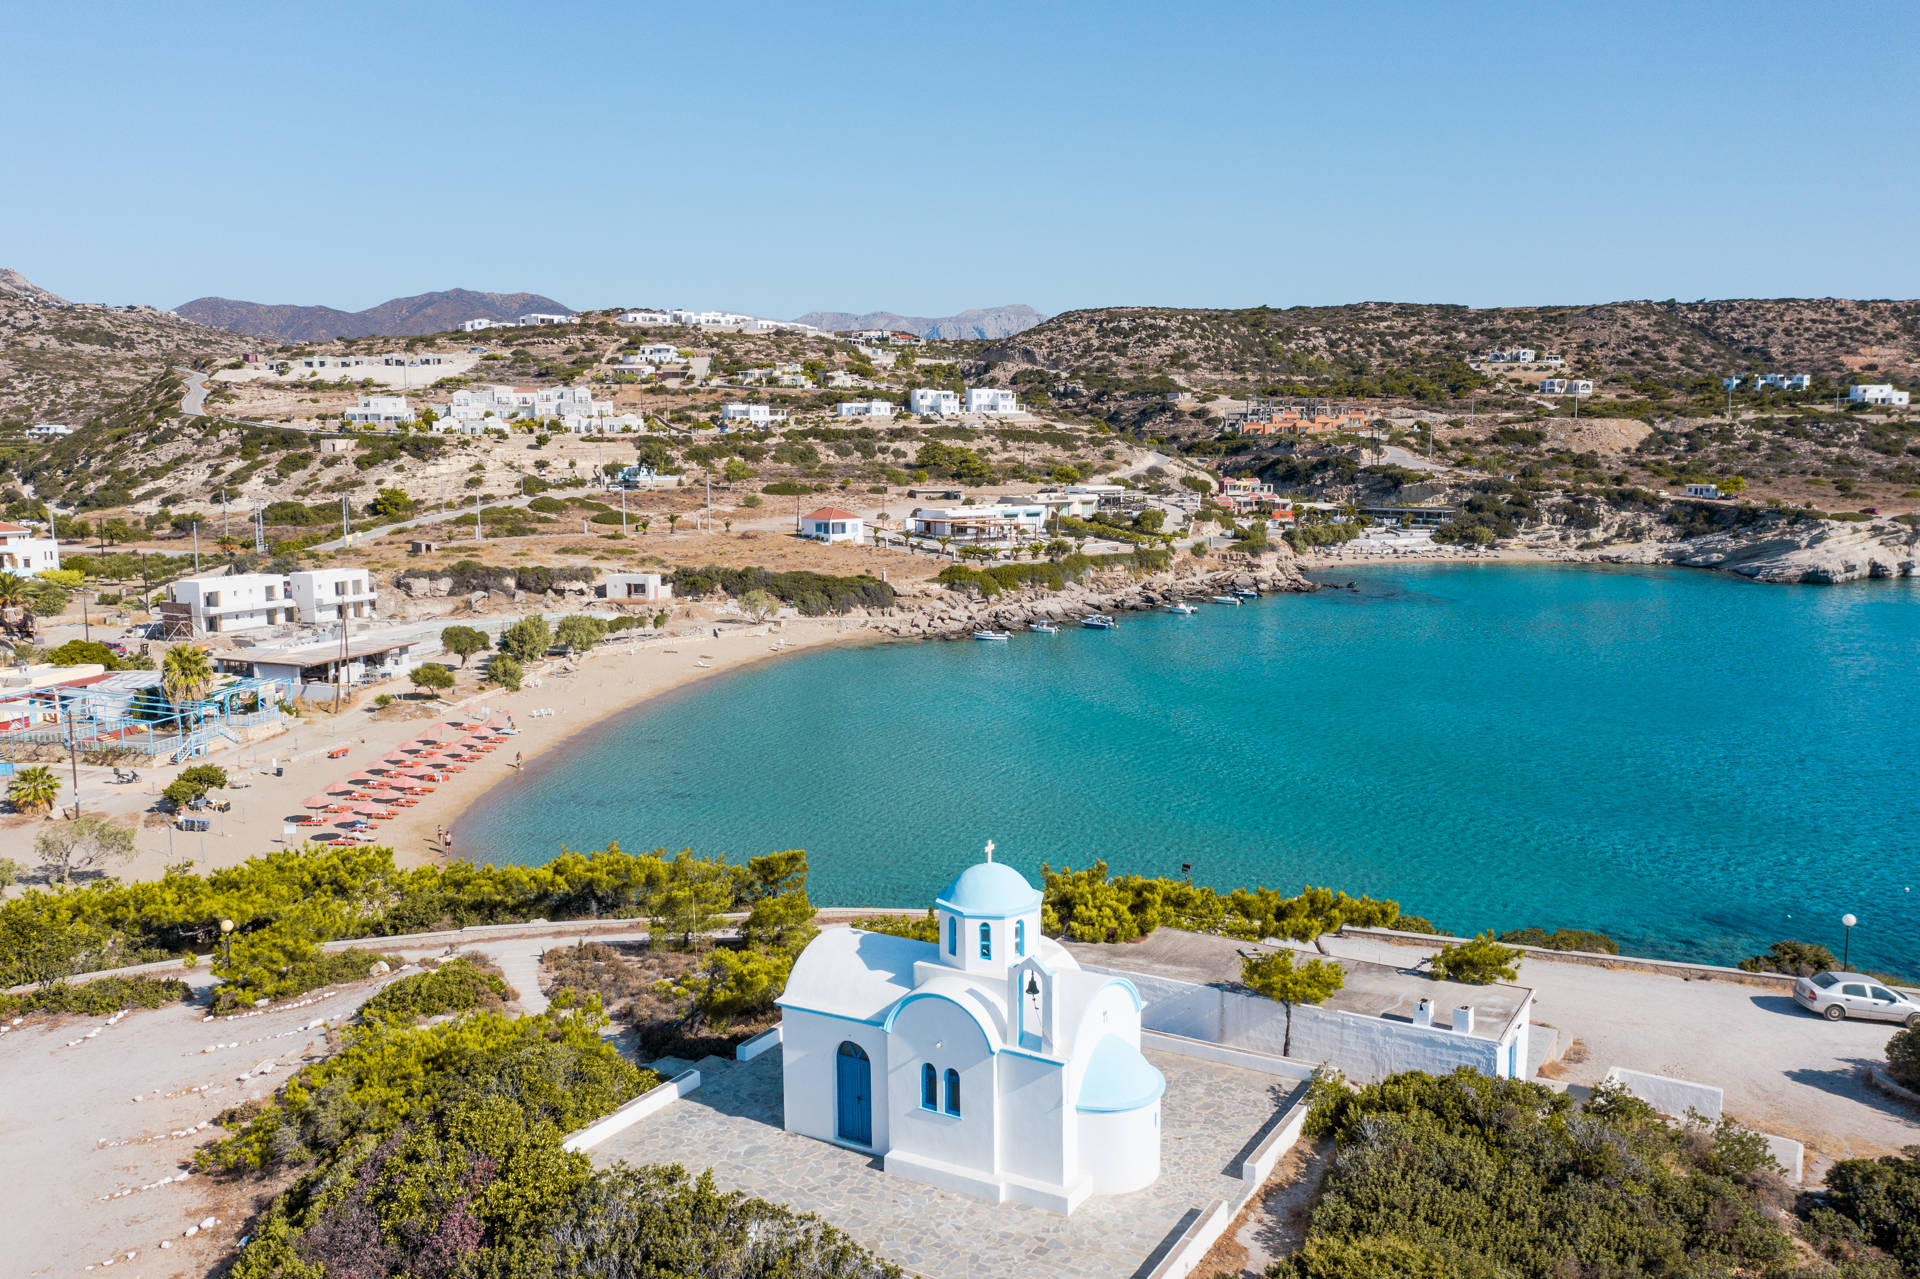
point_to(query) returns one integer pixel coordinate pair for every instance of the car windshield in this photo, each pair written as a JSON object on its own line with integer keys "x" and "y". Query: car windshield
{"x": 1825, "y": 980}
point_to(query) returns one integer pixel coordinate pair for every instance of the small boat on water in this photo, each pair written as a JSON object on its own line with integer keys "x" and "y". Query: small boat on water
{"x": 1044, "y": 628}
{"x": 1247, "y": 593}
{"x": 991, "y": 635}
{"x": 1181, "y": 607}
{"x": 1098, "y": 622}
{"x": 1227, "y": 599}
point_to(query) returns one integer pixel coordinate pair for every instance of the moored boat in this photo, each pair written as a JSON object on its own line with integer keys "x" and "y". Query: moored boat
{"x": 1044, "y": 628}
{"x": 1098, "y": 622}
{"x": 1227, "y": 599}
{"x": 1246, "y": 593}
{"x": 1181, "y": 607}
{"x": 991, "y": 635}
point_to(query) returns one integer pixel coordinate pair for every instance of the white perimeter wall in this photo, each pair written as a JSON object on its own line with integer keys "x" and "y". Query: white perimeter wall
{"x": 1366, "y": 1049}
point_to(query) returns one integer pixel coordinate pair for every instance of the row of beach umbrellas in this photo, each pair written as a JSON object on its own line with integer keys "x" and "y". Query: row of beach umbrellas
{"x": 412, "y": 770}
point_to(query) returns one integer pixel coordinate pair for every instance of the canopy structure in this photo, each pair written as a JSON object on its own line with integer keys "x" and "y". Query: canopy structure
{"x": 316, "y": 801}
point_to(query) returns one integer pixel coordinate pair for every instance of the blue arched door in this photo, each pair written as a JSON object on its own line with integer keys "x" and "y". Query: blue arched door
{"x": 854, "y": 1074}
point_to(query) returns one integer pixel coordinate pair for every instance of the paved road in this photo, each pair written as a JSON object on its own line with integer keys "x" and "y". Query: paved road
{"x": 194, "y": 402}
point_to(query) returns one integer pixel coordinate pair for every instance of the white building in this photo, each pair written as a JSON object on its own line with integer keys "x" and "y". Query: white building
{"x": 573, "y": 406}
{"x": 932, "y": 402}
{"x": 221, "y": 603}
{"x": 49, "y": 430}
{"x": 645, "y": 317}
{"x": 751, "y": 414}
{"x": 379, "y": 410}
{"x": 864, "y": 408}
{"x": 841, "y": 380}
{"x": 710, "y": 319}
{"x": 1876, "y": 393}
{"x": 1516, "y": 355}
{"x": 23, "y": 554}
{"x": 336, "y": 361}
{"x": 475, "y": 326}
{"x": 661, "y": 353}
{"x": 543, "y": 317}
{"x": 1004, "y": 523}
{"x": 988, "y": 1063}
{"x": 1566, "y": 386}
{"x": 990, "y": 399}
{"x": 831, "y": 524}
{"x": 1782, "y": 381}
{"x": 637, "y": 586}
{"x": 325, "y": 595}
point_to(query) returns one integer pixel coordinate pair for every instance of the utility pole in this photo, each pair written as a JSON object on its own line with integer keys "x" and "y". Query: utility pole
{"x": 476, "y": 517}
{"x": 346, "y": 519}
{"x": 73, "y": 753}
{"x": 710, "y": 499}
{"x": 223, "y": 513}
{"x": 623, "y": 510}
{"x": 196, "y": 546}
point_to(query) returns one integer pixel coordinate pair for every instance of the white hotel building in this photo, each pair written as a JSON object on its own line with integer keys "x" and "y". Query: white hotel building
{"x": 23, "y": 554}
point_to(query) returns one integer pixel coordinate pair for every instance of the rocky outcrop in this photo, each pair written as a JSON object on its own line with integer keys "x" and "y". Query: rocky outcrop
{"x": 934, "y": 611}
{"x": 1788, "y": 549}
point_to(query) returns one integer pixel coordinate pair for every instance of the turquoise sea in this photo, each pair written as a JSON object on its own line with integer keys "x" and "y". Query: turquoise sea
{"x": 1695, "y": 764}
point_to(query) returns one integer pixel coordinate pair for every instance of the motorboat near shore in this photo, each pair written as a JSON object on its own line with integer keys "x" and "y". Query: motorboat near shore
{"x": 1098, "y": 622}
{"x": 992, "y": 635}
{"x": 1044, "y": 628}
{"x": 1181, "y": 607}
{"x": 1227, "y": 599}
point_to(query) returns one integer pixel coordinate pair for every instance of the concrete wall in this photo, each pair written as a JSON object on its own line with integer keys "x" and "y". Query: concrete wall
{"x": 758, "y": 1044}
{"x": 1366, "y": 1049}
{"x": 647, "y": 1103}
{"x": 1669, "y": 1096}
{"x": 940, "y": 1032}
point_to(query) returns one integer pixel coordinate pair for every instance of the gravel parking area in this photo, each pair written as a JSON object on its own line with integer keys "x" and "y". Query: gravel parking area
{"x": 1784, "y": 1070}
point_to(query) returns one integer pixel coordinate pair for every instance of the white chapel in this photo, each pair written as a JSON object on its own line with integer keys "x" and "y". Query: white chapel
{"x": 988, "y": 1062}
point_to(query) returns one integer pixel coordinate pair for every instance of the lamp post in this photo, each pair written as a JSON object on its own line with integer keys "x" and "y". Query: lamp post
{"x": 1846, "y": 947}
{"x": 226, "y": 943}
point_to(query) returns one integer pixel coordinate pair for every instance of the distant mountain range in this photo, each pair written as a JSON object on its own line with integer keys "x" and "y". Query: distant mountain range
{"x": 981, "y": 322}
{"x": 401, "y": 317}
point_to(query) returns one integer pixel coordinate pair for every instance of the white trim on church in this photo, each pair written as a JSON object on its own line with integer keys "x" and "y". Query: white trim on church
{"x": 988, "y": 1062}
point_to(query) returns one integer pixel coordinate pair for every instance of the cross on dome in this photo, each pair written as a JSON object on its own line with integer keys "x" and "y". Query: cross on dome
{"x": 989, "y": 850}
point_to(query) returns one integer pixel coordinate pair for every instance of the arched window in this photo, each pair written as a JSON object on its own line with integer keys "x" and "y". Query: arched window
{"x": 953, "y": 1092}
{"x": 1020, "y": 938}
{"x": 953, "y": 935}
{"x": 986, "y": 941}
{"x": 929, "y": 1087}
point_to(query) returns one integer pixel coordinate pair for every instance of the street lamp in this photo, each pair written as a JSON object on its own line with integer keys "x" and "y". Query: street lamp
{"x": 226, "y": 943}
{"x": 1846, "y": 948}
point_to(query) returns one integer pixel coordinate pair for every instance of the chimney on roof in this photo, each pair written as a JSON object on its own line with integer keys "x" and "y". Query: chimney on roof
{"x": 1463, "y": 1019}
{"x": 1423, "y": 1013}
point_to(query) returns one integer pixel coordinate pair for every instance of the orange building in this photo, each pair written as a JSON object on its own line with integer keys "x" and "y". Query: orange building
{"x": 1296, "y": 422}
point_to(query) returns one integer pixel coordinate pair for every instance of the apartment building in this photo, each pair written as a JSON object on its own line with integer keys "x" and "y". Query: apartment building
{"x": 990, "y": 399}
{"x": 932, "y": 402}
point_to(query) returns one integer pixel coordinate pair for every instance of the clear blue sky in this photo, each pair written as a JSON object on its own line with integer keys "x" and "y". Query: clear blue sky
{"x": 779, "y": 158}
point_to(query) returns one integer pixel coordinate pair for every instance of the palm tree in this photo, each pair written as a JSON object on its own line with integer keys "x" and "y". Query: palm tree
{"x": 642, "y": 523}
{"x": 33, "y": 789}
{"x": 12, "y": 588}
{"x": 185, "y": 674}
{"x": 673, "y": 519}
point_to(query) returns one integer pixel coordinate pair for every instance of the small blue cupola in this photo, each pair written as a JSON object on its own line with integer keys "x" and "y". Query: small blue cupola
{"x": 989, "y": 918}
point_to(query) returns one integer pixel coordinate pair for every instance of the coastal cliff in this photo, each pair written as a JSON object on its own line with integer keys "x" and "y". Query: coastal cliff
{"x": 1781, "y": 548}
{"x": 933, "y": 611}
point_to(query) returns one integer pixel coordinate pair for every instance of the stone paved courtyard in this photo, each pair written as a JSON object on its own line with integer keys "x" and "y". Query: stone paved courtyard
{"x": 731, "y": 1124}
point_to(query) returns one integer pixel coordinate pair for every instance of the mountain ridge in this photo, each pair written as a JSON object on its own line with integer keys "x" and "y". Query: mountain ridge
{"x": 412, "y": 316}
{"x": 974, "y": 324}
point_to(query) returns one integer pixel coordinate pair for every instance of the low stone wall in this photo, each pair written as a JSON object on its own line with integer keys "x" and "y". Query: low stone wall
{"x": 1676, "y": 1098}
{"x": 1589, "y": 958}
{"x": 1259, "y": 1164}
{"x": 1190, "y": 1246}
{"x": 650, "y": 1102}
{"x": 758, "y": 1044}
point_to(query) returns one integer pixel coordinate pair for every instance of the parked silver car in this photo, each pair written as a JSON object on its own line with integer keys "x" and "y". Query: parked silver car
{"x": 1838, "y": 995}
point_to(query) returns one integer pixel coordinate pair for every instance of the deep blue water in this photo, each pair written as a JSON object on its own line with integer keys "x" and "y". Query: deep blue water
{"x": 1695, "y": 764}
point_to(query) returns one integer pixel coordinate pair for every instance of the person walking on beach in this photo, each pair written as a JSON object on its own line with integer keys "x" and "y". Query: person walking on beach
{"x": 516, "y": 761}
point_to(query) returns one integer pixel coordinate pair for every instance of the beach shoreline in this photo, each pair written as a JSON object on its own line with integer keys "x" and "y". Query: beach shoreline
{"x": 271, "y": 778}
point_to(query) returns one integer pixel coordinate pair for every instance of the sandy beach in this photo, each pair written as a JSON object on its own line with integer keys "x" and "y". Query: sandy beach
{"x": 579, "y": 692}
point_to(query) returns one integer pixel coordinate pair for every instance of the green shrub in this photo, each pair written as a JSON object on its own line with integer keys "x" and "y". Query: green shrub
{"x": 459, "y": 985}
{"x": 1561, "y": 939}
{"x": 98, "y": 998}
{"x": 1479, "y": 962}
{"x": 813, "y": 594}
{"x": 1877, "y": 1202}
{"x": 1089, "y": 905}
{"x": 1798, "y": 958}
{"x": 919, "y": 928}
{"x": 1903, "y": 1058}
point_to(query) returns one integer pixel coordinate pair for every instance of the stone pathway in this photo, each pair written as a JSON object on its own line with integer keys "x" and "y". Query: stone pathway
{"x": 732, "y": 1125}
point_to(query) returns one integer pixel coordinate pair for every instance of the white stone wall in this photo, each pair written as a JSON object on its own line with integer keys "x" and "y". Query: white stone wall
{"x": 1365, "y": 1049}
{"x": 939, "y": 1031}
{"x": 1669, "y": 1096}
{"x": 809, "y": 1044}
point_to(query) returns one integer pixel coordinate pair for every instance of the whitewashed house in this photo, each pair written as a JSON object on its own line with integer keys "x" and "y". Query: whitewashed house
{"x": 987, "y": 1063}
{"x": 533, "y": 318}
{"x": 325, "y": 595}
{"x": 991, "y": 399}
{"x": 49, "y": 430}
{"x": 476, "y": 326}
{"x": 222, "y": 603}
{"x": 831, "y": 524}
{"x": 379, "y": 410}
{"x": 661, "y": 353}
{"x": 841, "y": 380}
{"x": 650, "y": 587}
{"x": 23, "y": 554}
{"x": 751, "y": 414}
{"x": 1876, "y": 393}
{"x": 1782, "y": 381}
{"x": 932, "y": 402}
{"x": 645, "y": 317}
{"x": 1566, "y": 386}
{"x": 864, "y": 408}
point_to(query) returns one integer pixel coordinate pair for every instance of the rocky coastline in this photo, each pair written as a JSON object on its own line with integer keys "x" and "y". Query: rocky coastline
{"x": 931, "y": 611}
{"x": 1778, "y": 548}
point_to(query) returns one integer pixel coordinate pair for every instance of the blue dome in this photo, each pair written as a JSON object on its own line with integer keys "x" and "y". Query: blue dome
{"x": 1119, "y": 1078}
{"x": 991, "y": 890}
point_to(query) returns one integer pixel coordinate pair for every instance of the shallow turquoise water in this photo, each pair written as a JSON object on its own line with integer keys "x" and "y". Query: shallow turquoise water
{"x": 1692, "y": 763}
